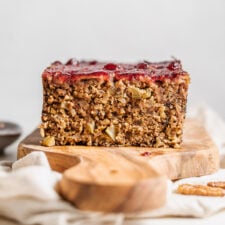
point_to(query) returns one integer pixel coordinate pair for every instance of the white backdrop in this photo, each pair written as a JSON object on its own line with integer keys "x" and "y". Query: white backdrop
{"x": 35, "y": 33}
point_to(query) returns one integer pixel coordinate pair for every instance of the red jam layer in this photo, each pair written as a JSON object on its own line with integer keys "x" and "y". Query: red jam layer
{"x": 75, "y": 70}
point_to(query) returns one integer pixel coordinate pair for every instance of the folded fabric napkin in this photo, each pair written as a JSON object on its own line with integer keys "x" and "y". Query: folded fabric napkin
{"x": 27, "y": 194}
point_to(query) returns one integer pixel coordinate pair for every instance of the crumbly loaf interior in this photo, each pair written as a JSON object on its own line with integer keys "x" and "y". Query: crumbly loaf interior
{"x": 102, "y": 112}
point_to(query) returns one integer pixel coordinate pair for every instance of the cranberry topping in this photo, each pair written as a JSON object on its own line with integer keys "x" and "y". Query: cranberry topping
{"x": 159, "y": 67}
{"x": 142, "y": 66}
{"x": 145, "y": 154}
{"x": 94, "y": 62}
{"x": 61, "y": 78}
{"x": 129, "y": 76}
{"x": 175, "y": 65}
{"x": 145, "y": 71}
{"x": 72, "y": 61}
{"x": 94, "y": 75}
{"x": 56, "y": 63}
{"x": 110, "y": 66}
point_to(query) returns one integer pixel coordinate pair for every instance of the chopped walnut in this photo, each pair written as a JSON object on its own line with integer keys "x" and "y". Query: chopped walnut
{"x": 138, "y": 93}
{"x": 48, "y": 141}
{"x": 111, "y": 132}
{"x": 91, "y": 127}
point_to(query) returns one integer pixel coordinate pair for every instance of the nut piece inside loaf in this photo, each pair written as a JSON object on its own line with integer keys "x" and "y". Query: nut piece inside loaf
{"x": 107, "y": 104}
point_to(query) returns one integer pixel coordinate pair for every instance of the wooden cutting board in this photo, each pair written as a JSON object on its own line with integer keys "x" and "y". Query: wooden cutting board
{"x": 125, "y": 179}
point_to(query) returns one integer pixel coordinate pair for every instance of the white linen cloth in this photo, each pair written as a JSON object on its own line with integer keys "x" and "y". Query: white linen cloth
{"x": 27, "y": 194}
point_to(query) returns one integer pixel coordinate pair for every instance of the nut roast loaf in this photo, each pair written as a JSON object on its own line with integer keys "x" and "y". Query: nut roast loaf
{"x": 114, "y": 104}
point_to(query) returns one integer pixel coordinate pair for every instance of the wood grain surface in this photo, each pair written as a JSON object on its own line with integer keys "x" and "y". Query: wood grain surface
{"x": 126, "y": 179}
